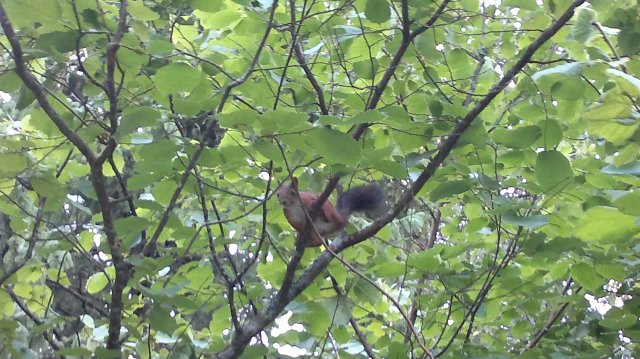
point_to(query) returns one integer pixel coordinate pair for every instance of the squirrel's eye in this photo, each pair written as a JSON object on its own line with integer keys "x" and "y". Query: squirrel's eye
{"x": 293, "y": 192}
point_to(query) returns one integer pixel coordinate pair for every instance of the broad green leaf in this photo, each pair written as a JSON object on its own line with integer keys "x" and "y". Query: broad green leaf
{"x": 10, "y": 82}
{"x": 12, "y": 164}
{"x": 284, "y": 121}
{"x": 238, "y": 118}
{"x": 520, "y": 137}
{"x": 139, "y": 11}
{"x": 569, "y": 89}
{"x": 130, "y": 228}
{"x": 96, "y": 282}
{"x": 632, "y": 168}
{"x": 619, "y": 318}
{"x": 582, "y": 28}
{"x": 450, "y": 188}
{"x": 137, "y": 117}
{"x": 377, "y": 11}
{"x": 426, "y": 261}
{"x": 510, "y": 217}
{"x": 629, "y": 203}
{"x": 220, "y": 19}
{"x": 161, "y": 320}
{"x": 553, "y": 170}
{"x": 74, "y": 352}
{"x": 629, "y": 84}
{"x": 391, "y": 168}
{"x": 614, "y": 271}
{"x": 366, "y": 69}
{"x": 334, "y": 146}
{"x": 629, "y": 40}
{"x": 268, "y": 149}
{"x": 49, "y": 186}
{"x": 340, "y": 309}
{"x": 551, "y": 133}
{"x": 570, "y": 69}
{"x": 177, "y": 77}
{"x": 606, "y": 224}
{"x": 57, "y": 41}
{"x": 587, "y": 277}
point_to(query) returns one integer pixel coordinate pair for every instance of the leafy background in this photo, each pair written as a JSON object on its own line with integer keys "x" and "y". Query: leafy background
{"x": 142, "y": 143}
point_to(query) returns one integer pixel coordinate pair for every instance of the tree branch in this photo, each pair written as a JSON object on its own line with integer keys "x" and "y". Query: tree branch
{"x": 238, "y": 343}
{"x": 32, "y": 84}
{"x": 150, "y": 246}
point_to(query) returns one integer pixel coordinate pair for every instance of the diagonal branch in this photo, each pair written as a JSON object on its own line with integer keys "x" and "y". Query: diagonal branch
{"x": 32, "y": 84}
{"x": 553, "y": 317}
{"x": 297, "y": 50}
{"x": 407, "y": 38}
{"x": 251, "y": 328}
{"x": 461, "y": 127}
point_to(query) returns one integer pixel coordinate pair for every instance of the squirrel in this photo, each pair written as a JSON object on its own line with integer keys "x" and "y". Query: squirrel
{"x": 330, "y": 219}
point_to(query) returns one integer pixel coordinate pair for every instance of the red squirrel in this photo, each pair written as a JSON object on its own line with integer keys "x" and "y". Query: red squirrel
{"x": 330, "y": 219}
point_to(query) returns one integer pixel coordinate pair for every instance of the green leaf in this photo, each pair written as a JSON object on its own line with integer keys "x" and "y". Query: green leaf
{"x": 632, "y": 168}
{"x": 339, "y": 308}
{"x": 138, "y": 11}
{"x": 619, "y": 318}
{"x": 629, "y": 40}
{"x": 570, "y": 69}
{"x": 614, "y": 271}
{"x": 569, "y": 89}
{"x": 161, "y": 320}
{"x": 391, "y": 168}
{"x": 551, "y": 133}
{"x": 366, "y": 292}
{"x": 334, "y": 146}
{"x": 366, "y": 69}
{"x": 629, "y": 84}
{"x": 220, "y": 19}
{"x": 238, "y": 118}
{"x": 629, "y": 203}
{"x": 582, "y": 27}
{"x": 130, "y": 228}
{"x": 520, "y": 137}
{"x": 510, "y": 217}
{"x": 426, "y": 261}
{"x": 587, "y": 277}
{"x": 435, "y": 107}
{"x": 177, "y": 77}
{"x": 96, "y": 282}
{"x": 606, "y": 224}
{"x": 57, "y": 41}
{"x": 284, "y": 121}
{"x": 377, "y": 11}
{"x": 450, "y": 188}
{"x": 12, "y": 164}
{"x": 553, "y": 171}
{"x": 137, "y": 117}
{"x": 10, "y": 82}
{"x": 74, "y": 352}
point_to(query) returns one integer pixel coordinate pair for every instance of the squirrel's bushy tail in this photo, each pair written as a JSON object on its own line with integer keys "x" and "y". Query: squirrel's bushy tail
{"x": 360, "y": 198}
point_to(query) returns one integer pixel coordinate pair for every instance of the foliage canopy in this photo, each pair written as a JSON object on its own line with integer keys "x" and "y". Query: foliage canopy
{"x": 142, "y": 142}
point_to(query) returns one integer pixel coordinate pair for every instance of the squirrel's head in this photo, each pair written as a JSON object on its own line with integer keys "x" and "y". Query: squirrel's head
{"x": 288, "y": 193}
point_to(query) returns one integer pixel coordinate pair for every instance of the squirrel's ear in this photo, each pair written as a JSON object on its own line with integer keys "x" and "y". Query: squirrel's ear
{"x": 294, "y": 182}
